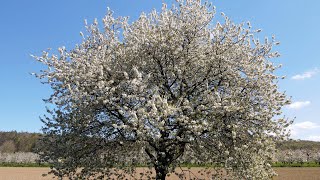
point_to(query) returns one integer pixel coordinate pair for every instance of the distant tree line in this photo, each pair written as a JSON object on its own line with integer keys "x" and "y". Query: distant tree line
{"x": 21, "y": 147}
{"x": 298, "y": 145}
{"x": 13, "y": 141}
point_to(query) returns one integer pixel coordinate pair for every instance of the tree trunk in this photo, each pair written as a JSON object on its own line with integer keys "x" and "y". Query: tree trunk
{"x": 161, "y": 172}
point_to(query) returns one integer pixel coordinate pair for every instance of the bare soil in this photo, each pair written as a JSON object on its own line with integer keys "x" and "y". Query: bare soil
{"x": 298, "y": 173}
{"x": 23, "y": 173}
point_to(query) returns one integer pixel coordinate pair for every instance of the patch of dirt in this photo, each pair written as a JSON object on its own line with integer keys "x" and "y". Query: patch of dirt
{"x": 298, "y": 173}
{"x": 30, "y": 173}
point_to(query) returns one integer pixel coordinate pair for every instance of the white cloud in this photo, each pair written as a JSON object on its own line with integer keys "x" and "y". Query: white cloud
{"x": 299, "y": 104}
{"x": 313, "y": 138}
{"x": 304, "y": 130}
{"x": 305, "y": 125}
{"x": 305, "y": 75}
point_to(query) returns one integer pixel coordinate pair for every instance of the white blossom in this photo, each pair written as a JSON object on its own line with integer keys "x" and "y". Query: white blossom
{"x": 172, "y": 84}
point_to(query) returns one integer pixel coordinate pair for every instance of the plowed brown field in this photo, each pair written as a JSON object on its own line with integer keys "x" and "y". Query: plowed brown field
{"x": 17, "y": 173}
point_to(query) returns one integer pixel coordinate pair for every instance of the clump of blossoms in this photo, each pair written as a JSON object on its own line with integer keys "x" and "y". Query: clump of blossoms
{"x": 173, "y": 85}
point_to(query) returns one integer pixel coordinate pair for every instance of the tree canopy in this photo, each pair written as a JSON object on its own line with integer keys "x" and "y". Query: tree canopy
{"x": 171, "y": 86}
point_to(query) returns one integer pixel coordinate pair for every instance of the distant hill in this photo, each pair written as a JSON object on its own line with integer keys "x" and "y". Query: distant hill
{"x": 298, "y": 145}
{"x": 14, "y": 141}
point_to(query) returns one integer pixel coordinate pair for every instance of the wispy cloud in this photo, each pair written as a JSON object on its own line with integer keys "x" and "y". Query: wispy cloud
{"x": 313, "y": 138}
{"x": 305, "y": 75}
{"x": 306, "y": 125}
{"x": 299, "y": 104}
{"x": 300, "y": 130}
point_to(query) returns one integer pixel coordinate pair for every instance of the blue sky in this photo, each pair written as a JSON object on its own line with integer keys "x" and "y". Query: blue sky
{"x": 28, "y": 27}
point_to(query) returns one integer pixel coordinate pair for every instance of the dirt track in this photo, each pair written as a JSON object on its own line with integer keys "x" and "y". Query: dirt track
{"x": 16, "y": 173}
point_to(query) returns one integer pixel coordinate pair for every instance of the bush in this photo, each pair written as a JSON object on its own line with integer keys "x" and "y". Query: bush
{"x": 19, "y": 157}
